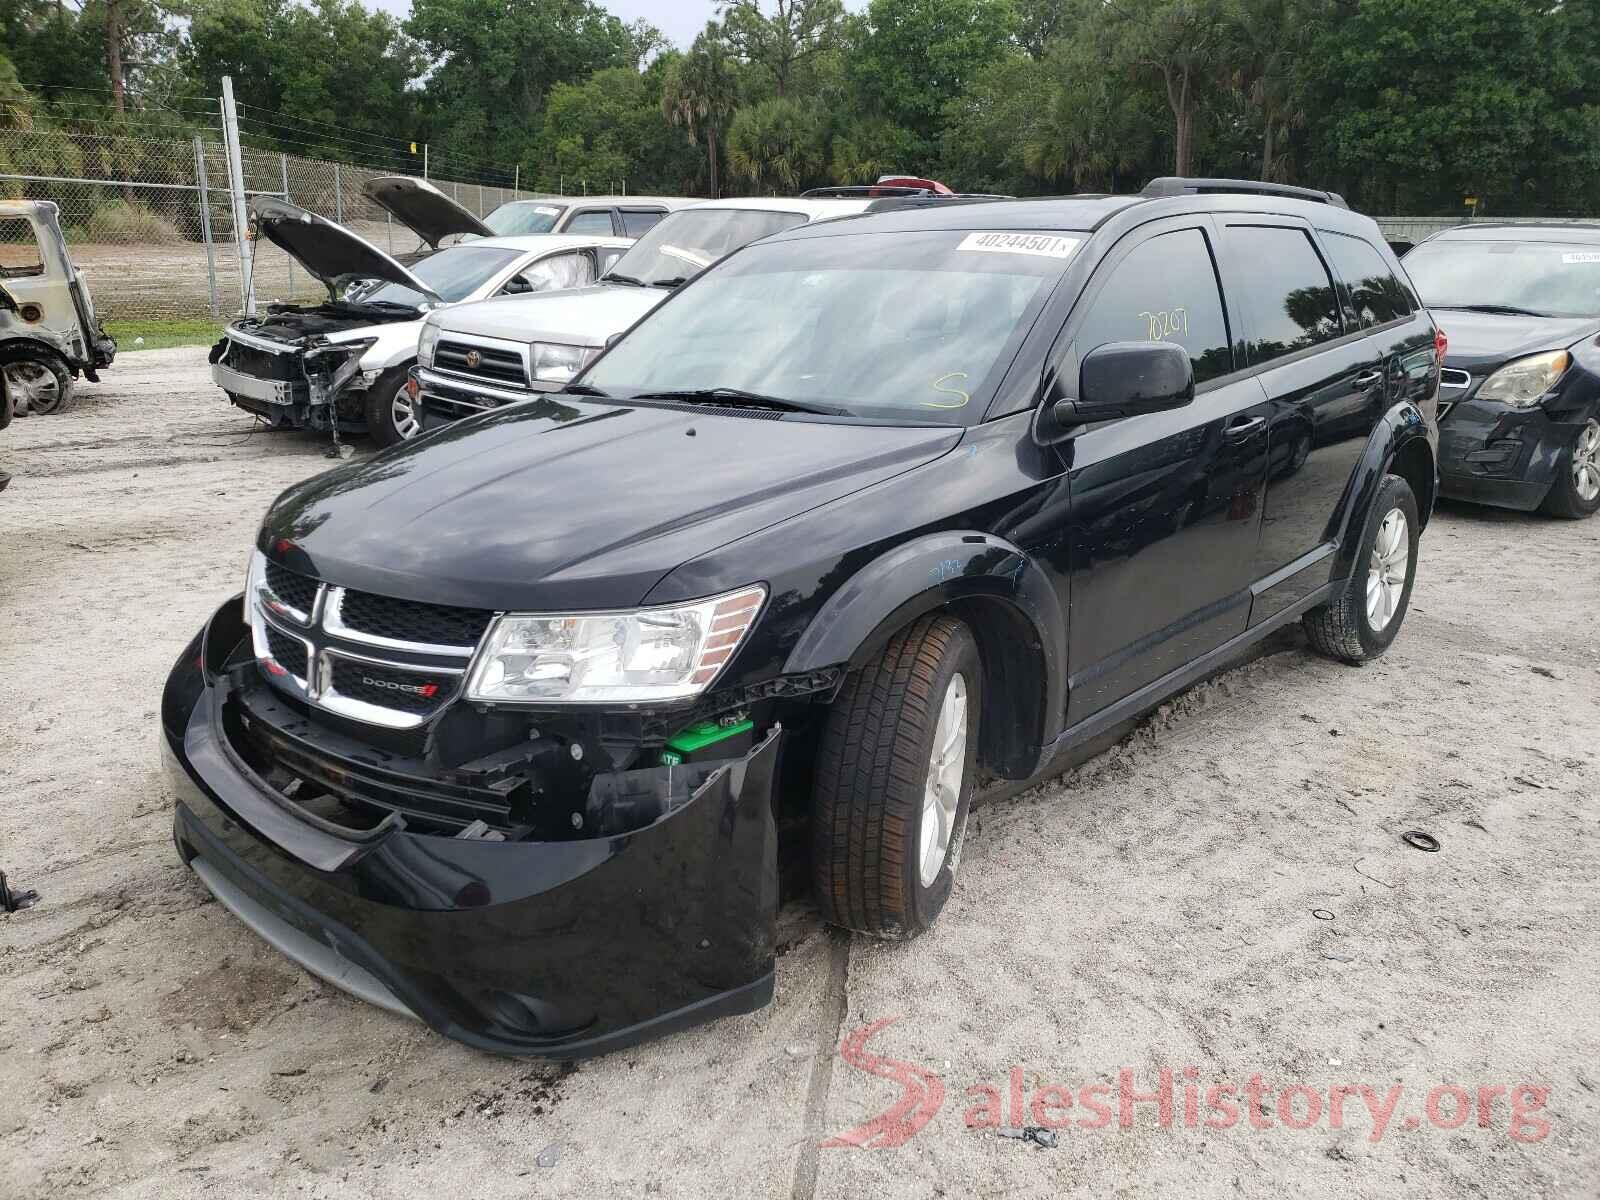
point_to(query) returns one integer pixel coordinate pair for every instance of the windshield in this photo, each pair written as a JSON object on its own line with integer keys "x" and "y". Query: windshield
{"x": 523, "y": 217}
{"x": 453, "y": 274}
{"x": 1558, "y": 279}
{"x": 686, "y": 243}
{"x": 903, "y": 327}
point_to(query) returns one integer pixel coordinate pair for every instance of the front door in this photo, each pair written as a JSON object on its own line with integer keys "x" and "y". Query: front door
{"x": 1166, "y": 507}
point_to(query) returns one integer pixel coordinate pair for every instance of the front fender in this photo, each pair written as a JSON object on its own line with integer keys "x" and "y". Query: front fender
{"x": 1011, "y": 604}
{"x": 1402, "y": 443}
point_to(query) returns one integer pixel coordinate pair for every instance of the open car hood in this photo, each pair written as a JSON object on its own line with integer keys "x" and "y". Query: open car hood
{"x": 330, "y": 252}
{"x": 420, "y": 206}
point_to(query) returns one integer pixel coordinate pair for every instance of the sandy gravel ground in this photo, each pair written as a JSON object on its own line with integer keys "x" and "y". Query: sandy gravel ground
{"x": 1225, "y": 890}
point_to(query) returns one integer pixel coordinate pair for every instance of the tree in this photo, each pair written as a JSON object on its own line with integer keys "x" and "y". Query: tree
{"x": 610, "y": 130}
{"x": 777, "y": 145}
{"x": 700, "y": 94}
{"x": 1183, "y": 44}
{"x": 796, "y": 32}
{"x": 915, "y": 56}
{"x": 1267, "y": 42}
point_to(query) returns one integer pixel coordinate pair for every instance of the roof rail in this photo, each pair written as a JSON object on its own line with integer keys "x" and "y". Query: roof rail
{"x": 1178, "y": 185}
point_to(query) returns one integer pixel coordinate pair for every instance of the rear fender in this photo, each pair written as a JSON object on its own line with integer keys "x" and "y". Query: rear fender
{"x": 1402, "y": 444}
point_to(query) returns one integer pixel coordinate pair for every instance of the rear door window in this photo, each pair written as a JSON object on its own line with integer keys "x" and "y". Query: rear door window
{"x": 1376, "y": 296}
{"x": 1165, "y": 290}
{"x": 639, "y": 221}
{"x": 592, "y": 221}
{"x": 19, "y": 249}
{"x": 1284, "y": 288}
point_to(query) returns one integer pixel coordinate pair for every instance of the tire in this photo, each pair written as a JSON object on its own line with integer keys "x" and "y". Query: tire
{"x": 874, "y": 764}
{"x": 1353, "y": 627}
{"x": 38, "y": 382}
{"x": 383, "y": 421}
{"x": 1576, "y": 492}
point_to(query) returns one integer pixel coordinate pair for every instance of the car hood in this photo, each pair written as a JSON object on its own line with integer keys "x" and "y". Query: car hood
{"x": 579, "y": 317}
{"x": 423, "y": 208}
{"x": 560, "y": 503}
{"x": 1479, "y": 340}
{"x": 328, "y": 251}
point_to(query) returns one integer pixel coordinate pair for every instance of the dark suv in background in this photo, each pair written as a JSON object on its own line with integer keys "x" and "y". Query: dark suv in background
{"x": 871, "y": 515}
{"x": 1520, "y": 398}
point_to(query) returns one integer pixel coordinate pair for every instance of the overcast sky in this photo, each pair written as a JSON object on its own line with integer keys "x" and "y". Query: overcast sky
{"x": 680, "y": 20}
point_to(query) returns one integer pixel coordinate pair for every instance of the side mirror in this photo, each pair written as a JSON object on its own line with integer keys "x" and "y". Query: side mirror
{"x": 518, "y": 285}
{"x": 1124, "y": 379}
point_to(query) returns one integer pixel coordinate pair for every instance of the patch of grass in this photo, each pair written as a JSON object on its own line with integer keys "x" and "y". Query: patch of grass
{"x": 160, "y": 334}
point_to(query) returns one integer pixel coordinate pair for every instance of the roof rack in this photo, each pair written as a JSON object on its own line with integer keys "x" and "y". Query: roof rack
{"x": 1178, "y": 185}
{"x": 864, "y": 191}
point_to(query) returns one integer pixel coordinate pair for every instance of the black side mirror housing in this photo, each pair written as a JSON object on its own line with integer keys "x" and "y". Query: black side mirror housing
{"x": 1125, "y": 379}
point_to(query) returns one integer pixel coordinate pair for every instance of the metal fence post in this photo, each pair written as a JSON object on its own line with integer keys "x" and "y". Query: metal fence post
{"x": 424, "y": 160}
{"x": 283, "y": 166}
{"x": 516, "y": 183}
{"x": 338, "y": 196}
{"x": 230, "y": 133}
{"x": 480, "y": 200}
{"x": 205, "y": 222}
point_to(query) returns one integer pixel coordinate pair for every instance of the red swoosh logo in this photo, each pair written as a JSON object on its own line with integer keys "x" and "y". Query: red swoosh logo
{"x": 922, "y": 1092}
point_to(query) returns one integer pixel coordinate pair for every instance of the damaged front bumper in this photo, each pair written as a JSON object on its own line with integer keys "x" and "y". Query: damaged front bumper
{"x": 1495, "y": 453}
{"x": 561, "y": 949}
{"x": 290, "y": 386}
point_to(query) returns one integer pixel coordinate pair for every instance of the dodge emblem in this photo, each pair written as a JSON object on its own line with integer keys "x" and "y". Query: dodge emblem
{"x": 473, "y": 359}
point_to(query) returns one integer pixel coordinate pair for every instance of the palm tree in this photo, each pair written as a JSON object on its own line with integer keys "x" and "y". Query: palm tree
{"x": 700, "y": 94}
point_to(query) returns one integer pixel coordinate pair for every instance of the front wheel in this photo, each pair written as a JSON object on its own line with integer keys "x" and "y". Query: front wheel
{"x": 391, "y": 411}
{"x": 1576, "y": 492}
{"x": 1361, "y": 620}
{"x": 894, "y": 779}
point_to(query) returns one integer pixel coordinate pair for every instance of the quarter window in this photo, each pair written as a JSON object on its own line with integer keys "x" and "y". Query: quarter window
{"x": 1376, "y": 296}
{"x": 1165, "y": 290}
{"x": 1284, "y": 288}
{"x": 638, "y": 221}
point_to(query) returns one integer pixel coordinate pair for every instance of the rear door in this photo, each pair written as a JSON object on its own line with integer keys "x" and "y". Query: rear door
{"x": 1166, "y": 506}
{"x": 1325, "y": 385}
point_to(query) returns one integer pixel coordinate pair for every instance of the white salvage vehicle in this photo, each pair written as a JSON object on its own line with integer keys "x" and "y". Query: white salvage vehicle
{"x": 341, "y": 365}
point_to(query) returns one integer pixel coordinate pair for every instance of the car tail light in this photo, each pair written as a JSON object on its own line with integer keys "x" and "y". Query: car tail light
{"x": 1441, "y": 343}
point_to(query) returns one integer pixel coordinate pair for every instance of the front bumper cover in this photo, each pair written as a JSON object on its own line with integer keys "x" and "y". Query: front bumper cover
{"x": 557, "y": 949}
{"x": 1495, "y": 453}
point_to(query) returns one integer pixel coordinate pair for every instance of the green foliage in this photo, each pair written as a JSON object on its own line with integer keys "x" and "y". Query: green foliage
{"x": 777, "y": 145}
{"x": 120, "y": 223}
{"x": 610, "y": 130}
{"x": 782, "y": 44}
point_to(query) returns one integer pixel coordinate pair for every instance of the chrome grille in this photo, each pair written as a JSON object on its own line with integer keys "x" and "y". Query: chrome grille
{"x": 496, "y": 364}
{"x": 374, "y": 659}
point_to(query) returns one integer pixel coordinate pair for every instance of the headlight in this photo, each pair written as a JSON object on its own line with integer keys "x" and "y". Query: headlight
{"x": 426, "y": 341}
{"x": 555, "y": 363}
{"x": 610, "y": 658}
{"x": 1522, "y": 382}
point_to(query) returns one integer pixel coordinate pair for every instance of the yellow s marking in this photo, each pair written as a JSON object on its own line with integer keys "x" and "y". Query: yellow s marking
{"x": 938, "y": 386}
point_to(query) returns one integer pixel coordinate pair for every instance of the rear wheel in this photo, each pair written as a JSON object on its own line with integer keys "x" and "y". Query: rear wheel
{"x": 1358, "y": 624}
{"x": 1576, "y": 491}
{"x": 894, "y": 779}
{"x": 38, "y": 382}
{"x": 391, "y": 411}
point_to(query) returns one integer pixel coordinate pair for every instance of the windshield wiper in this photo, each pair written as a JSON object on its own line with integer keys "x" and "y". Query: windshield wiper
{"x": 726, "y": 397}
{"x": 675, "y": 281}
{"x": 1504, "y": 310}
{"x": 612, "y": 277}
{"x": 585, "y": 389}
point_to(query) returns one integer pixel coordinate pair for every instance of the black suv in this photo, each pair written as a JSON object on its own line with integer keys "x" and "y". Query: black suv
{"x": 873, "y": 514}
{"x": 1520, "y": 395}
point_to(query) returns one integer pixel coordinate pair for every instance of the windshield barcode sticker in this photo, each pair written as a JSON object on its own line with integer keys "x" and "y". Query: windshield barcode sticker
{"x": 1049, "y": 245}
{"x": 1582, "y": 256}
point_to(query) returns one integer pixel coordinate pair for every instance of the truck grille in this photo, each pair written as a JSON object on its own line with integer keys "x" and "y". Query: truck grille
{"x": 289, "y": 652}
{"x": 492, "y": 363}
{"x": 295, "y": 590}
{"x": 420, "y": 691}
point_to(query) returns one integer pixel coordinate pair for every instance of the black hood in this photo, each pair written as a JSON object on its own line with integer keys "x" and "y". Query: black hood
{"x": 561, "y": 503}
{"x": 423, "y": 208}
{"x": 330, "y": 252}
{"x": 1486, "y": 340}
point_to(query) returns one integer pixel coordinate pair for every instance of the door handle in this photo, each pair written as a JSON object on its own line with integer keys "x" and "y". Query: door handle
{"x": 1242, "y": 427}
{"x": 1368, "y": 380}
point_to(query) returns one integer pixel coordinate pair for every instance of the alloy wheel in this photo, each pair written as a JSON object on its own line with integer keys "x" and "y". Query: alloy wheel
{"x": 1386, "y": 573}
{"x": 1586, "y": 463}
{"x": 942, "y": 792}
{"x": 404, "y": 413}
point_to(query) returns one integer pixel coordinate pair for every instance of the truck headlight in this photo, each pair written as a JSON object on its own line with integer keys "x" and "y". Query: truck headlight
{"x": 644, "y": 655}
{"x": 1522, "y": 382}
{"x": 552, "y": 362}
{"x": 427, "y": 341}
